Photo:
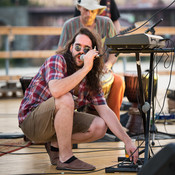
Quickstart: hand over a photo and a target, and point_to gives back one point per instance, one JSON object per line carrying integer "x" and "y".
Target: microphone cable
{"x": 149, "y": 19}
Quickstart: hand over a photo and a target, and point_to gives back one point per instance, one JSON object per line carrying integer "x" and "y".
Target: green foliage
{"x": 2, "y": 63}
{"x": 5, "y": 3}
{"x": 13, "y": 2}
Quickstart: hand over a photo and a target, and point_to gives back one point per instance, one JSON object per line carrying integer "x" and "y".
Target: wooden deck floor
{"x": 34, "y": 159}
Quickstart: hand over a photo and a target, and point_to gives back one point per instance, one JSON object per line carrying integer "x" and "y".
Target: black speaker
{"x": 25, "y": 81}
{"x": 162, "y": 163}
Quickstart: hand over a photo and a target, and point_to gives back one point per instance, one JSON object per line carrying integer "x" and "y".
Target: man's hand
{"x": 112, "y": 58}
{"x": 131, "y": 149}
{"x": 107, "y": 67}
{"x": 89, "y": 58}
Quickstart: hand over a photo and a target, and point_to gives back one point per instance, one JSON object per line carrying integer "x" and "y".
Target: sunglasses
{"x": 85, "y": 50}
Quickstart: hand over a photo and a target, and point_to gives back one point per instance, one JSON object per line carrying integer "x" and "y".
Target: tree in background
{"x": 13, "y": 2}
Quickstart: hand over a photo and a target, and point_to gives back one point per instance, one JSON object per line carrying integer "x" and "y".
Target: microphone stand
{"x": 151, "y": 29}
{"x": 151, "y": 87}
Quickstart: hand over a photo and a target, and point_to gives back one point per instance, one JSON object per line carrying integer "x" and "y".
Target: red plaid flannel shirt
{"x": 38, "y": 90}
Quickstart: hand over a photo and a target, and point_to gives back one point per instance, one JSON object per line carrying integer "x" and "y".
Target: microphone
{"x": 151, "y": 29}
{"x": 82, "y": 57}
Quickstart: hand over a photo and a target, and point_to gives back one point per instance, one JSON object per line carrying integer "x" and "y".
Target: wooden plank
{"x": 51, "y": 30}
{"x": 33, "y": 54}
{"x": 32, "y": 30}
{"x": 27, "y": 54}
{"x": 158, "y": 30}
{"x": 4, "y": 54}
{"x": 46, "y": 30}
{"x": 165, "y": 30}
{"x": 9, "y": 77}
{"x": 5, "y": 30}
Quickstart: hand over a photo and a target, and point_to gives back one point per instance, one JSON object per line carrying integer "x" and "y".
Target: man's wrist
{"x": 108, "y": 64}
{"x": 85, "y": 69}
{"x": 127, "y": 139}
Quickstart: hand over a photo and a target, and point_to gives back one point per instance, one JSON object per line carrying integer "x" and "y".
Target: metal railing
{"x": 11, "y": 31}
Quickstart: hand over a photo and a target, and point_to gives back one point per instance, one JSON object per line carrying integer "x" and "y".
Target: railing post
{"x": 7, "y": 49}
{"x": 8, "y": 40}
{"x": 124, "y": 59}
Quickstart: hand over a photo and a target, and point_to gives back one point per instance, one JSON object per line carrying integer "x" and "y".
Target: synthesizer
{"x": 135, "y": 41}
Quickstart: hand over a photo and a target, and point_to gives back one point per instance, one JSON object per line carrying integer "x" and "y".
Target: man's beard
{"x": 74, "y": 60}
{"x": 88, "y": 21}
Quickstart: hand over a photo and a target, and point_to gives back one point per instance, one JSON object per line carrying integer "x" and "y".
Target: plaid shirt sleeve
{"x": 98, "y": 99}
{"x": 37, "y": 92}
{"x": 54, "y": 68}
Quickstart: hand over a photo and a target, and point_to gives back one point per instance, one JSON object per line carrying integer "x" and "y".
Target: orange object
{"x": 115, "y": 97}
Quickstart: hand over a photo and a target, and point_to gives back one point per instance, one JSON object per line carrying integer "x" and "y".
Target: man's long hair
{"x": 93, "y": 77}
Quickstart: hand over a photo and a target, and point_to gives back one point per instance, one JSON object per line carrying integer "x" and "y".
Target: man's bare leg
{"x": 96, "y": 131}
{"x": 63, "y": 125}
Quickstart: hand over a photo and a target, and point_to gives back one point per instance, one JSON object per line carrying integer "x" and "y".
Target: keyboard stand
{"x": 146, "y": 116}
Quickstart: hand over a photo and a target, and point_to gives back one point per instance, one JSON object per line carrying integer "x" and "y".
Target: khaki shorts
{"x": 38, "y": 126}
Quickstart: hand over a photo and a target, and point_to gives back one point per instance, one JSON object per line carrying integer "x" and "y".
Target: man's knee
{"x": 65, "y": 101}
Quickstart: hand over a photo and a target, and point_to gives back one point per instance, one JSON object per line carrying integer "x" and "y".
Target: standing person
{"x": 110, "y": 11}
{"x": 47, "y": 111}
{"x": 89, "y": 10}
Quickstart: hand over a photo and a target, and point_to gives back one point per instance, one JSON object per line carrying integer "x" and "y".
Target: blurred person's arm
{"x": 115, "y": 15}
{"x": 112, "y": 59}
{"x": 117, "y": 26}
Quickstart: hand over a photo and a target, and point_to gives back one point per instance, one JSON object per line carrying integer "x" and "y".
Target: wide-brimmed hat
{"x": 90, "y": 5}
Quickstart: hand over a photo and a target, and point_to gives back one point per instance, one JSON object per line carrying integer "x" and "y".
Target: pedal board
{"x": 126, "y": 166}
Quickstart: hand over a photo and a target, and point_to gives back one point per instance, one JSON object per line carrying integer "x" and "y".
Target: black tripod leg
{"x": 147, "y": 136}
{"x": 153, "y": 128}
{"x": 142, "y": 102}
